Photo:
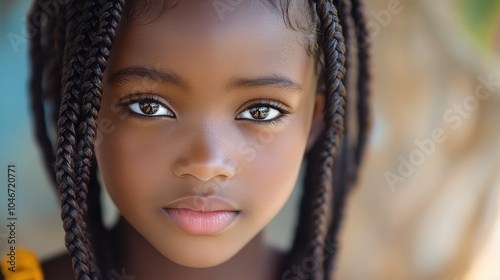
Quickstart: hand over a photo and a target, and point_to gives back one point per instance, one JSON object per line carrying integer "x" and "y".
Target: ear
{"x": 318, "y": 124}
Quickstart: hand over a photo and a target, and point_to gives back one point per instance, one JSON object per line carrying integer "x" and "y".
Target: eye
{"x": 264, "y": 111}
{"x": 261, "y": 113}
{"x": 149, "y": 108}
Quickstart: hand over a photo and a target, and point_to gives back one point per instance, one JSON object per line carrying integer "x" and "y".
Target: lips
{"x": 201, "y": 215}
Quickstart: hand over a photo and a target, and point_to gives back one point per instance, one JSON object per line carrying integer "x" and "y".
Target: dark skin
{"x": 59, "y": 268}
{"x": 236, "y": 106}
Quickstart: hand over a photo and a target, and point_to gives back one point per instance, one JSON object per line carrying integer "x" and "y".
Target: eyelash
{"x": 280, "y": 107}
{"x": 128, "y": 113}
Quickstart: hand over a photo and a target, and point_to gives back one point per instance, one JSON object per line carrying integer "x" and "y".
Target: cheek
{"x": 274, "y": 169}
{"x": 131, "y": 167}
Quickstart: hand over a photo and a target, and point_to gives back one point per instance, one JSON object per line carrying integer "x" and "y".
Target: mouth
{"x": 201, "y": 215}
{"x": 201, "y": 223}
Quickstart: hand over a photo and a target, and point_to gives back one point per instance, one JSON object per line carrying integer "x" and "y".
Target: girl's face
{"x": 205, "y": 118}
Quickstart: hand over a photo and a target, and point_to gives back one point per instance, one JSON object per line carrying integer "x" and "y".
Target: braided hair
{"x": 69, "y": 54}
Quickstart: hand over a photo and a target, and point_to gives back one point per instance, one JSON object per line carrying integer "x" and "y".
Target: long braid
{"x": 333, "y": 50}
{"x": 86, "y": 128}
{"x": 59, "y": 45}
{"x": 317, "y": 198}
{"x": 53, "y": 35}
{"x": 38, "y": 62}
{"x": 48, "y": 73}
{"x": 296, "y": 253}
{"x": 45, "y": 86}
{"x": 298, "y": 247}
{"x": 315, "y": 203}
{"x": 104, "y": 20}
{"x": 345, "y": 168}
{"x": 344, "y": 172}
{"x": 52, "y": 76}
{"x": 347, "y": 23}
{"x": 364, "y": 77}
{"x": 100, "y": 238}
{"x": 352, "y": 155}
{"x": 71, "y": 213}
{"x": 69, "y": 25}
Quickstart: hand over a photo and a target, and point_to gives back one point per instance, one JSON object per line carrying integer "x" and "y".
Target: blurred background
{"x": 427, "y": 205}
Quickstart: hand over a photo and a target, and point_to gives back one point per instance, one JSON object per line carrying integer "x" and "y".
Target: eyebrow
{"x": 132, "y": 73}
{"x": 276, "y": 81}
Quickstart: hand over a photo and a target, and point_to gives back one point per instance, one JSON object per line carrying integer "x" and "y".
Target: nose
{"x": 206, "y": 156}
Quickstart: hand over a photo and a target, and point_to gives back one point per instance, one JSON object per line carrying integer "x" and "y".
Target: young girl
{"x": 196, "y": 116}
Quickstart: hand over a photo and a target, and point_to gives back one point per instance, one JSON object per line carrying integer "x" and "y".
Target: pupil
{"x": 260, "y": 112}
{"x": 148, "y": 107}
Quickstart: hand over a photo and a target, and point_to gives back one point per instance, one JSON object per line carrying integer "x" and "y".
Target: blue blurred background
{"x": 37, "y": 211}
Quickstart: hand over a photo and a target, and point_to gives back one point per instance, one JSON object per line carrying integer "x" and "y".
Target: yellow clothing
{"x": 27, "y": 267}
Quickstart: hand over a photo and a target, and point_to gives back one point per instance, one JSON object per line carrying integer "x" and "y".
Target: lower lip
{"x": 201, "y": 223}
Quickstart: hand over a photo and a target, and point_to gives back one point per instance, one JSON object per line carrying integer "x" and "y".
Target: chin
{"x": 201, "y": 259}
{"x": 201, "y": 252}
{"x": 200, "y": 263}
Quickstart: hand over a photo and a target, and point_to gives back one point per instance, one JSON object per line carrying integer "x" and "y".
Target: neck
{"x": 142, "y": 260}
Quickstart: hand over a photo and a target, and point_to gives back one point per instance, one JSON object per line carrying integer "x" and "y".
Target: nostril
{"x": 204, "y": 171}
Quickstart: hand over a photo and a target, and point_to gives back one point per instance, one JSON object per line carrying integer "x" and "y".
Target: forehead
{"x": 297, "y": 14}
{"x": 191, "y": 18}
{"x": 209, "y": 23}
{"x": 200, "y": 34}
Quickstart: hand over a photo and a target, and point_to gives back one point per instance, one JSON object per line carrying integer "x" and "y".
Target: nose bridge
{"x": 209, "y": 141}
{"x": 207, "y": 152}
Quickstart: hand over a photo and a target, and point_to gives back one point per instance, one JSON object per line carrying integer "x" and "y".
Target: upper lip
{"x": 202, "y": 204}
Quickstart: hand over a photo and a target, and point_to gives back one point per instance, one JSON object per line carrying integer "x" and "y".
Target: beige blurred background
{"x": 437, "y": 216}
{"x": 427, "y": 203}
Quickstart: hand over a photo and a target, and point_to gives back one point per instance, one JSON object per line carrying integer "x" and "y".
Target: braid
{"x": 87, "y": 123}
{"x": 333, "y": 50}
{"x": 99, "y": 239}
{"x": 72, "y": 214}
{"x": 347, "y": 23}
{"x": 364, "y": 76}
{"x": 313, "y": 220}
{"x": 38, "y": 62}
{"x": 344, "y": 167}
{"x": 105, "y": 20}
{"x": 296, "y": 254}
{"x": 315, "y": 202}
{"x": 59, "y": 45}
{"x": 49, "y": 43}
{"x": 86, "y": 53}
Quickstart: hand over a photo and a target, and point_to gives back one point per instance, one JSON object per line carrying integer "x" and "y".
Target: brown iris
{"x": 259, "y": 112}
{"x": 149, "y": 107}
